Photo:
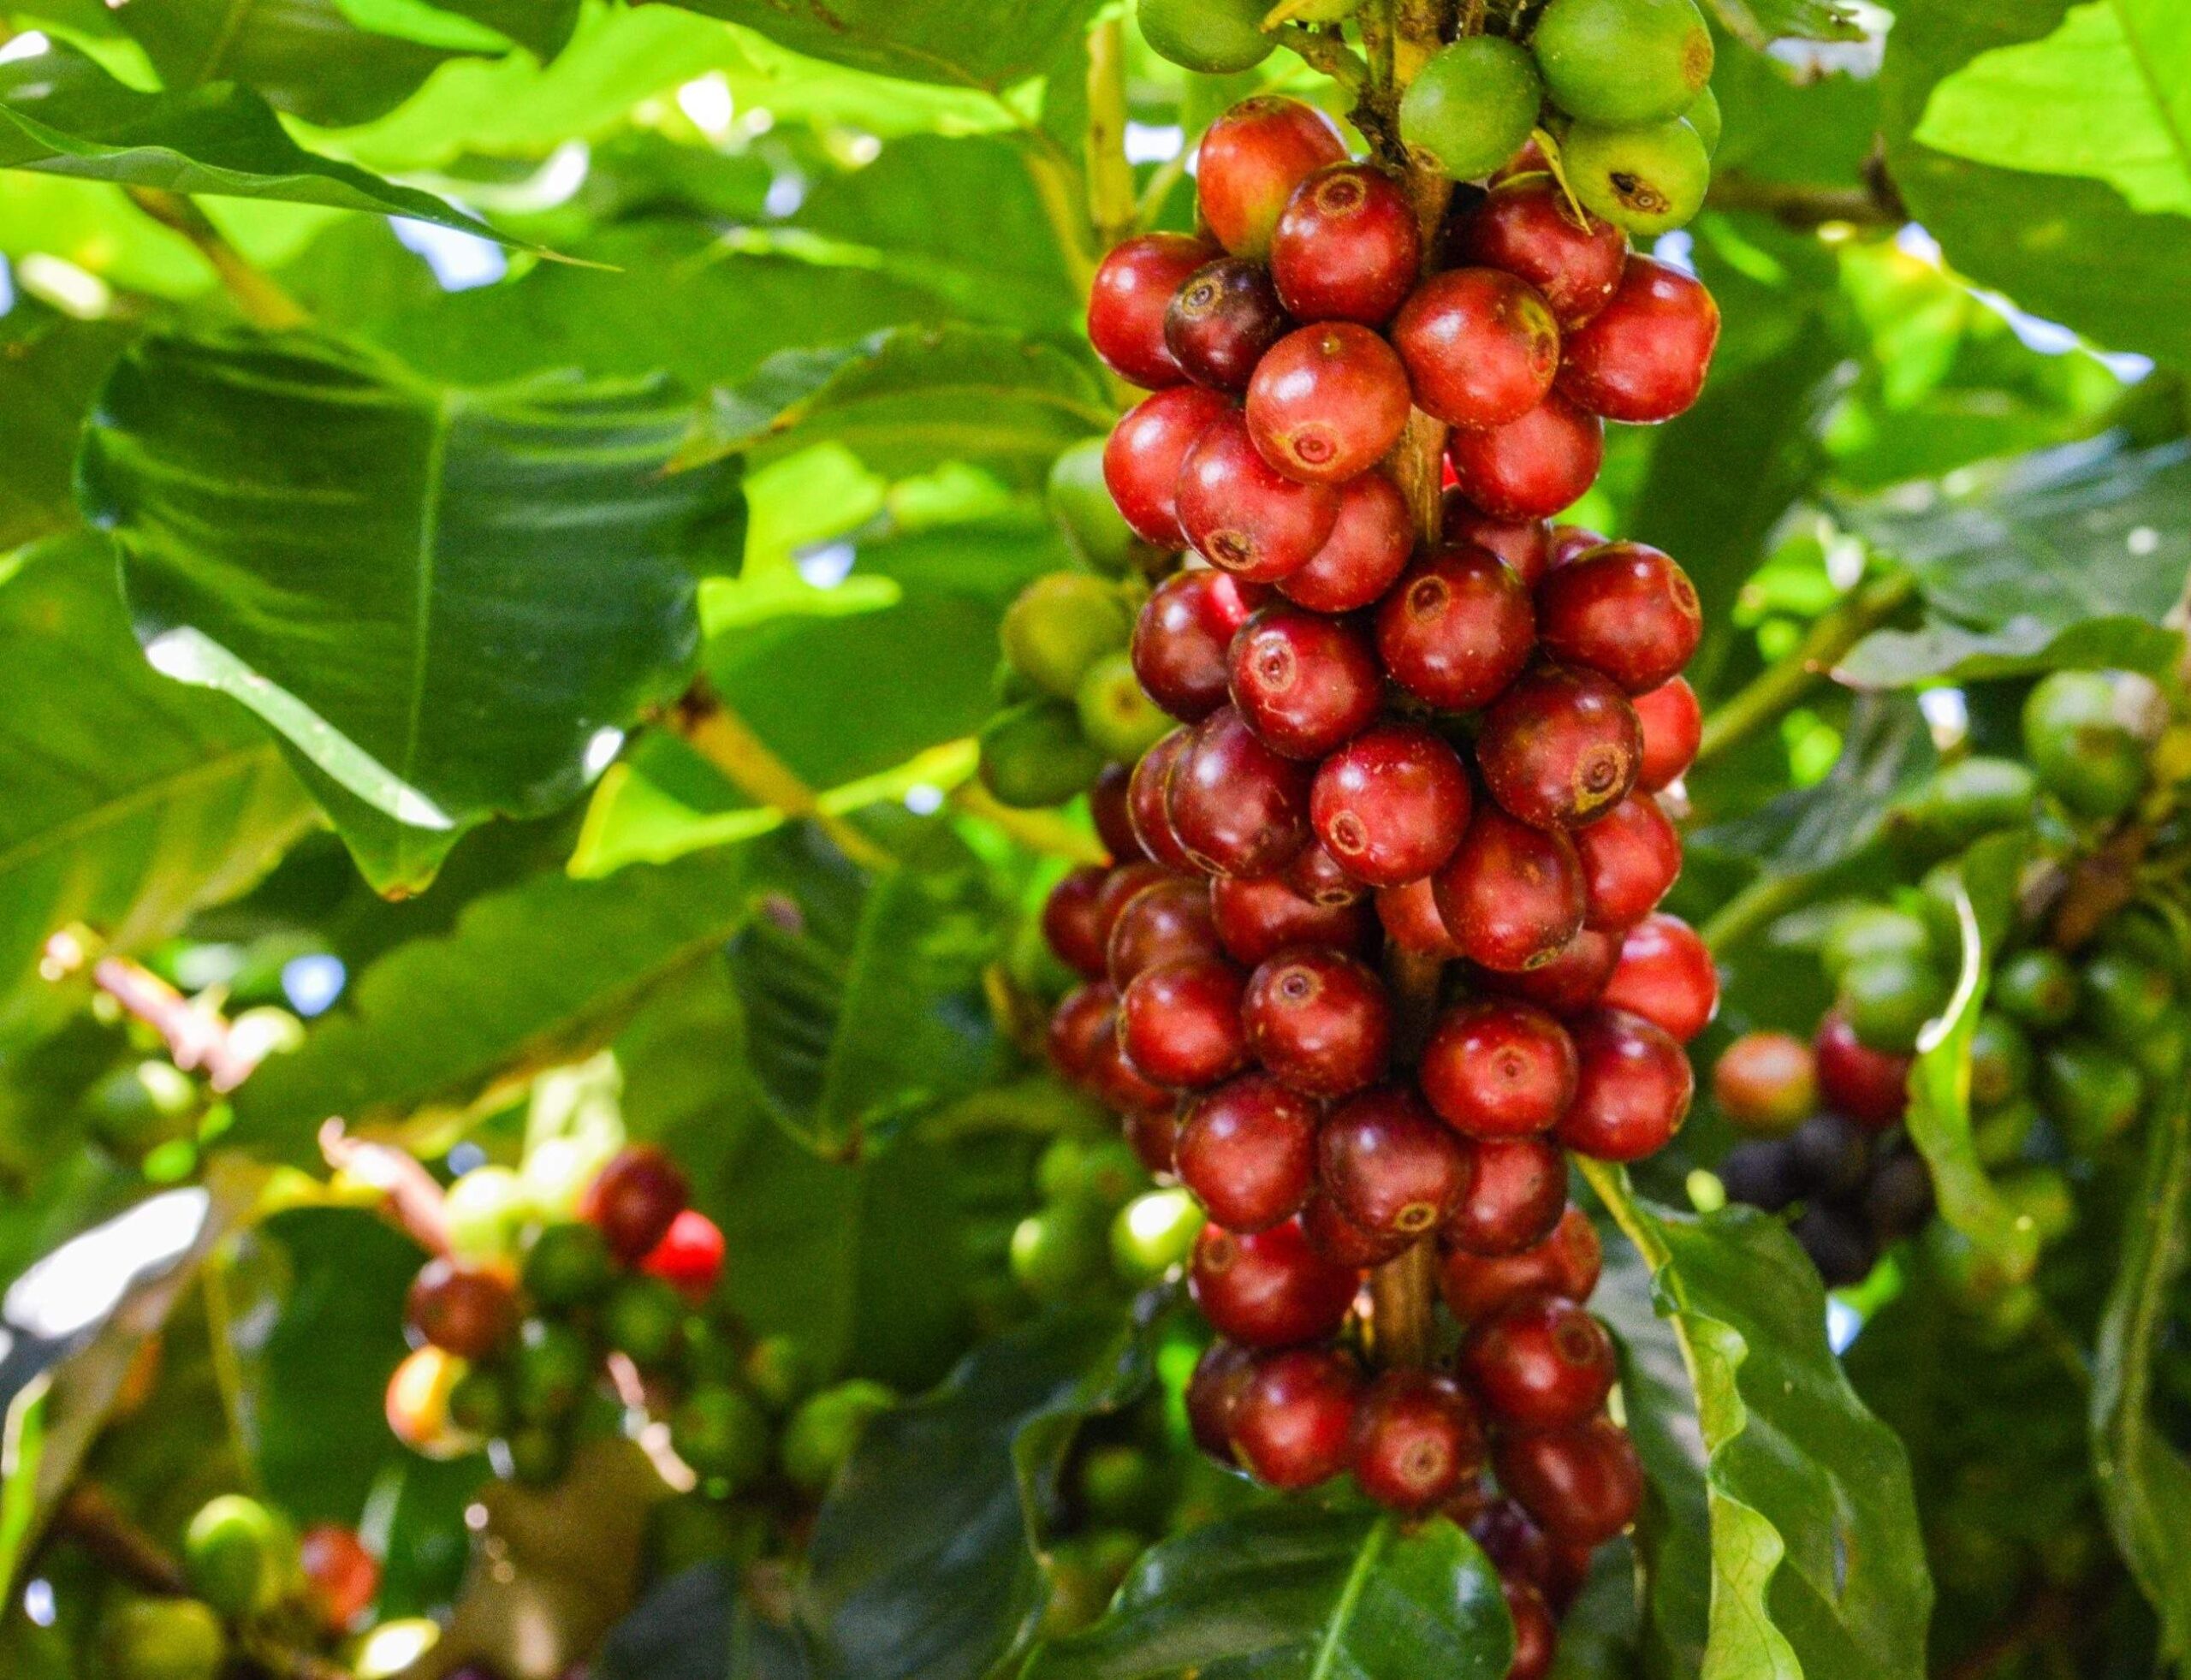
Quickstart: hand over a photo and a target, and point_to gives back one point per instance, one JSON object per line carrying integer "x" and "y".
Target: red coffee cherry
{"x": 1222, "y": 320}
{"x": 1390, "y": 804}
{"x": 1251, "y": 160}
{"x": 467, "y": 1310}
{"x": 1565, "y": 1264}
{"x": 1319, "y": 1021}
{"x": 1560, "y": 748}
{"x": 1108, "y": 804}
{"x": 1237, "y": 807}
{"x": 1633, "y": 1088}
{"x": 1120, "y": 888}
{"x": 1497, "y": 1067}
{"x": 1142, "y": 461}
{"x": 1342, "y": 1242}
{"x": 1212, "y": 1390}
{"x": 343, "y": 1576}
{"x": 1083, "y": 1021}
{"x": 1268, "y": 1289}
{"x": 1643, "y": 357}
{"x": 1153, "y": 1135}
{"x": 1526, "y": 227}
{"x": 1766, "y": 1081}
{"x": 1582, "y": 1486}
{"x": 1570, "y": 982}
{"x": 1567, "y": 543}
{"x": 1532, "y": 467}
{"x": 1122, "y": 1087}
{"x": 1168, "y": 921}
{"x": 1326, "y": 402}
{"x": 1367, "y": 548}
{"x": 1307, "y": 683}
{"x": 1411, "y": 920}
{"x": 1510, "y": 895}
{"x": 1517, "y": 1191}
{"x": 634, "y": 1199}
{"x": 690, "y": 1257}
{"x": 1537, "y": 1634}
{"x": 1134, "y": 286}
{"x": 1315, "y": 874}
{"x": 1388, "y": 1165}
{"x": 1181, "y": 637}
{"x": 1069, "y": 920}
{"x": 1247, "y": 1151}
{"x": 1457, "y": 629}
{"x": 1179, "y": 1023}
{"x": 1540, "y": 1364}
{"x": 1258, "y": 919}
{"x": 1242, "y": 516}
{"x": 1630, "y": 857}
{"x": 1624, "y": 611}
{"x": 1293, "y": 1423}
{"x": 1481, "y": 346}
{"x": 1667, "y": 976}
{"x": 1149, "y": 802}
{"x": 1526, "y": 1556}
{"x": 1869, "y": 1086}
{"x": 1347, "y": 247}
{"x": 1416, "y": 1440}
{"x": 1524, "y": 544}
{"x": 1673, "y": 725}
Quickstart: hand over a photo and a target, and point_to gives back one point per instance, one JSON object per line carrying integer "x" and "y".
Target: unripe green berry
{"x": 1115, "y": 715}
{"x": 1869, "y": 931}
{"x": 568, "y": 1266}
{"x": 1035, "y": 754}
{"x": 1471, "y": 108}
{"x": 487, "y": 1209}
{"x": 538, "y": 1453}
{"x": 2000, "y": 1061}
{"x": 479, "y": 1403}
{"x": 2121, "y": 1000}
{"x": 162, "y": 1639}
{"x": 1082, "y": 505}
{"x": 2088, "y": 733}
{"x": 1888, "y": 999}
{"x": 645, "y": 1321}
{"x": 1061, "y": 624}
{"x": 1216, "y": 37}
{"x": 2039, "y": 989}
{"x": 1056, "y": 1250}
{"x": 240, "y": 1557}
{"x": 683, "y": 1532}
{"x": 1958, "y": 802}
{"x": 2091, "y": 1092}
{"x": 780, "y": 1369}
{"x": 134, "y": 1110}
{"x": 823, "y": 1432}
{"x": 550, "y": 1371}
{"x": 1152, "y": 1233}
{"x": 1649, "y": 180}
{"x": 1704, "y": 118}
{"x": 1622, "y": 62}
{"x": 722, "y": 1433}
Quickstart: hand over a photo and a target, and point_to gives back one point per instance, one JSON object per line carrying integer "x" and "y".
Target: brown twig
{"x": 413, "y": 1197}
{"x": 198, "y": 1036}
{"x": 88, "y": 1515}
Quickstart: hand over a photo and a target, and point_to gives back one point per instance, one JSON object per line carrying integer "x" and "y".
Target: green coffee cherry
{"x": 568, "y": 1266}
{"x": 2000, "y": 1061}
{"x": 1152, "y": 1233}
{"x": 823, "y": 1432}
{"x": 1958, "y": 802}
{"x": 2164, "y": 1054}
{"x": 1082, "y": 505}
{"x": 1471, "y": 107}
{"x": 2087, "y": 733}
{"x": 550, "y": 1371}
{"x": 1056, "y": 1250}
{"x": 1060, "y": 1171}
{"x": 1999, "y": 1137}
{"x": 479, "y": 1403}
{"x": 1704, "y": 118}
{"x": 135, "y": 1110}
{"x": 1649, "y": 180}
{"x": 558, "y": 1171}
{"x": 1888, "y": 999}
{"x": 1217, "y": 37}
{"x": 162, "y": 1639}
{"x": 1121, "y": 1484}
{"x": 1622, "y": 62}
{"x": 538, "y": 1453}
{"x": 2041, "y": 1195}
{"x": 2144, "y": 932}
{"x": 645, "y": 1321}
{"x": 1873, "y": 930}
{"x": 1034, "y": 754}
{"x": 722, "y": 1434}
{"x": 685, "y": 1531}
{"x": 1061, "y": 624}
{"x": 2091, "y": 1092}
{"x": 2039, "y": 989}
{"x": 1115, "y": 715}
{"x": 240, "y": 1557}
{"x": 780, "y": 1369}
{"x": 487, "y": 1209}
{"x": 1110, "y": 1174}
{"x": 2121, "y": 1000}
{"x": 1085, "y": 1571}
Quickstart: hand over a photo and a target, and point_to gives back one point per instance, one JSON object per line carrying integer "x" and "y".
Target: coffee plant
{"x": 1089, "y": 840}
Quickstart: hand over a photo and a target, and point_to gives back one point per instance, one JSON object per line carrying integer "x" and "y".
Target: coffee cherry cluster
{"x": 1410, "y": 777}
{"x": 1101, "y": 1223}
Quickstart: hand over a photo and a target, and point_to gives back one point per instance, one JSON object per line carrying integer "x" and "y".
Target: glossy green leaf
{"x": 983, "y": 44}
{"x": 512, "y": 575}
{"x": 541, "y": 27}
{"x": 698, "y": 1626}
{"x": 22, "y": 1450}
{"x": 2023, "y": 647}
{"x": 1293, "y": 1592}
{"x": 51, "y": 367}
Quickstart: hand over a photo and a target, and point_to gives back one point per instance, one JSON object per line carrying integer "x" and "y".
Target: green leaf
{"x": 1293, "y": 1592}
{"x": 513, "y": 576}
{"x": 61, "y": 114}
{"x": 698, "y": 1626}
{"x": 922, "y": 1565}
{"x": 131, "y": 801}
{"x": 541, "y": 27}
{"x": 1758, "y": 23}
{"x": 2115, "y": 83}
{"x": 984, "y": 44}
{"x": 1817, "y": 1565}
{"x": 22, "y": 1451}
{"x": 2022, "y": 647}
{"x": 51, "y": 367}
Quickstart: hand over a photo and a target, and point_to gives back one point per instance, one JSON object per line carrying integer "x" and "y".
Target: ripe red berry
{"x": 1526, "y": 227}
{"x": 1179, "y": 1023}
{"x": 1570, "y": 982}
{"x": 1567, "y": 543}
{"x": 1180, "y": 639}
{"x": 1532, "y": 467}
{"x": 1348, "y": 247}
{"x": 1560, "y": 748}
{"x": 1583, "y": 1485}
{"x": 1222, "y": 320}
{"x": 1319, "y": 1021}
{"x": 1122, "y": 1087}
{"x": 1517, "y": 1191}
{"x": 1269, "y": 1288}
{"x": 1673, "y": 725}
{"x": 1497, "y": 1067}
{"x": 1540, "y": 1365}
{"x": 689, "y": 1257}
{"x": 1236, "y": 807}
{"x": 1537, "y": 1634}
{"x": 1257, "y": 919}
{"x": 1411, "y": 920}
{"x": 344, "y": 1577}
{"x": 1369, "y": 547}
{"x": 1871, "y": 1087}
{"x": 1565, "y": 1264}
{"x": 1307, "y": 683}
{"x": 1326, "y": 402}
{"x": 1524, "y": 544}
{"x": 1083, "y": 1021}
{"x": 1457, "y": 628}
{"x": 1168, "y": 921}
{"x": 1153, "y": 1135}
{"x": 1294, "y": 1420}
{"x": 1212, "y": 1390}
{"x": 1244, "y": 516}
{"x": 1624, "y": 611}
{"x": 467, "y": 1310}
{"x": 633, "y": 1199}
{"x": 1108, "y": 804}
{"x": 1247, "y": 1151}
{"x": 1526, "y": 1556}
{"x": 1149, "y": 802}
{"x": 1342, "y": 1242}
{"x": 1667, "y": 976}
{"x": 1388, "y": 1165}
{"x": 1390, "y": 805}
{"x": 1630, "y": 857}
{"x": 1481, "y": 346}
{"x": 1069, "y": 920}
{"x": 1633, "y": 1090}
{"x": 1134, "y": 285}
{"x": 1315, "y": 874}
{"x": 1643, "y": 357}
{"x": 1510, "y": 895}
{"x": 1251, "y": 160}
{"x": 1142, "y": 461}
{"x": 1416, "y": 1440}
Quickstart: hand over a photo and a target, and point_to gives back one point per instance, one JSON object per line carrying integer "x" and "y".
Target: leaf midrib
{"x": 443, "y": 417}
{"x": 1349, "y": 1594}
{"x": 112, "y": 812}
